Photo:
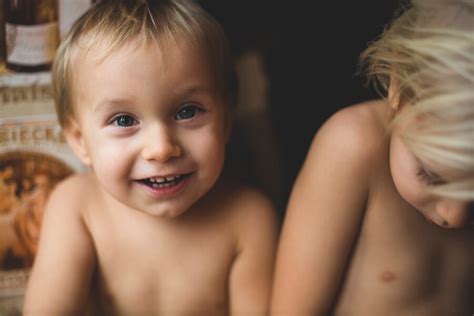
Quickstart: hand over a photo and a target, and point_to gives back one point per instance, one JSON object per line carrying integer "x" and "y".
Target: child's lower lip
{"x": 167, "y": 191}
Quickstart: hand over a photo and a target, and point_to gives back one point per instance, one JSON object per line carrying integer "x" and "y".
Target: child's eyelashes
{"x": 124, "y": 120}
{"x": 187, "y": 112}
{"x": 184, "y": 113}
{"x": 428, "y": 177}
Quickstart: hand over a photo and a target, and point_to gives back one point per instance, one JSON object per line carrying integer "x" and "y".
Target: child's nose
{"x": 159, "y": 145}
{"x": 455, "y": 213}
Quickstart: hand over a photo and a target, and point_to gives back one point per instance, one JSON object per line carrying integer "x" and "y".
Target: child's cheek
{"x": 111, "y": 158}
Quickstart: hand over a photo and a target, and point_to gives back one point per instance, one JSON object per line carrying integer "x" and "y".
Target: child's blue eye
{"x": 124, "y": 120}
{"x": 186, "y": 112}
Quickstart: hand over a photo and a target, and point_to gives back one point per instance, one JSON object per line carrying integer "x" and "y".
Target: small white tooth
{"x": 152, "y": 180}
{"x": 170, "y": 178}
{"x": 159, "y": 179}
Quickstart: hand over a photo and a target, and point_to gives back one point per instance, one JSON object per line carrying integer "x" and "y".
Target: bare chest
{"x": 153, "y": 273}
{"x": 402, "y": 265}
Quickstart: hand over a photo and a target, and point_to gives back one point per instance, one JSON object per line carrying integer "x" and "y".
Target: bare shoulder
{"x": 245, "y": 211}
{"x": 72, "y": 194}
{"x": 249, "y": 205}
{"x": 360, "y": 123}
{"x": 76, "y": 184}
{"x": 357, "y": 132}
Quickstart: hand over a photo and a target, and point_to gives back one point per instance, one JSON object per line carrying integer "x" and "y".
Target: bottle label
{"x": 31, "y": 45}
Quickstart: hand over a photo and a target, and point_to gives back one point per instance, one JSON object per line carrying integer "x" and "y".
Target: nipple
{"x": 387, "y": 276}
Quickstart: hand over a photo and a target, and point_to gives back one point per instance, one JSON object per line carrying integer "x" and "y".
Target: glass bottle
{"x": 2, "y": 34}
{"x": 31, "y": 34}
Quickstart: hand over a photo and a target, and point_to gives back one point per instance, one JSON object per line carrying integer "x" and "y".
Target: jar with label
{"x": 31, "y": 34}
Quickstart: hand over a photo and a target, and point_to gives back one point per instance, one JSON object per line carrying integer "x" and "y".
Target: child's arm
{"x": 323, "y": 218}
{"x": 61, "y": 274}
{"x": 251, "y": 273}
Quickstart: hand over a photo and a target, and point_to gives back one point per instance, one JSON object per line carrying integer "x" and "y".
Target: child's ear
{"x": 75, "y": 140}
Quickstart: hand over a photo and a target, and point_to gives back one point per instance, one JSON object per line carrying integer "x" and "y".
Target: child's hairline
{"x": 76, "y": 50}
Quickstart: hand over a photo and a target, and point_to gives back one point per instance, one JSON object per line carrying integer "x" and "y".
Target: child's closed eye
{"x": 428, "y": 177}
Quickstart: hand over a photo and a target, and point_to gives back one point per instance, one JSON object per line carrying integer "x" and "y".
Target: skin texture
{"x": 201, "y": 247}
{"x": 351, "y": 244}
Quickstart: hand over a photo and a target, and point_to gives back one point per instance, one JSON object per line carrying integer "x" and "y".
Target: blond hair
{"x": 116, "y": 23}
{"x": 427, "y": 52}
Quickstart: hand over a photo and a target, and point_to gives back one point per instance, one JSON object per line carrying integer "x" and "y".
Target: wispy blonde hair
{"x": 115, "y": 23}
{"x": 427, "y": 52}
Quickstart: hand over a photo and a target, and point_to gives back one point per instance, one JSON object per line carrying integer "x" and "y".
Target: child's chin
{"x": 165, "y": 213}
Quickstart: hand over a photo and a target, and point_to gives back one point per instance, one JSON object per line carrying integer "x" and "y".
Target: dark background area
{"x": 311, "y": 51}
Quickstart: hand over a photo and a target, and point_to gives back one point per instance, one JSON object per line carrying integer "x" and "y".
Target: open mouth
{"x": 164, "y": 182}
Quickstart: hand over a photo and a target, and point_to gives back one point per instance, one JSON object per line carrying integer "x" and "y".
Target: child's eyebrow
{"x": 194, "y": 90}
{"x": 186, "y": 92}
{"x": 107, "y": 103}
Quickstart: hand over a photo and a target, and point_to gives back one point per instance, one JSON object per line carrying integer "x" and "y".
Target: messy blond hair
{"x": 427, "y": 52}
{"x": 116, "y": 23}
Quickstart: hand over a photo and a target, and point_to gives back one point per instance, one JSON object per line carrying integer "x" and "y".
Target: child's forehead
{"x": 176, "y": 63}
{"x": 98, "y": 51}
{"x": 164, "y": 55}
